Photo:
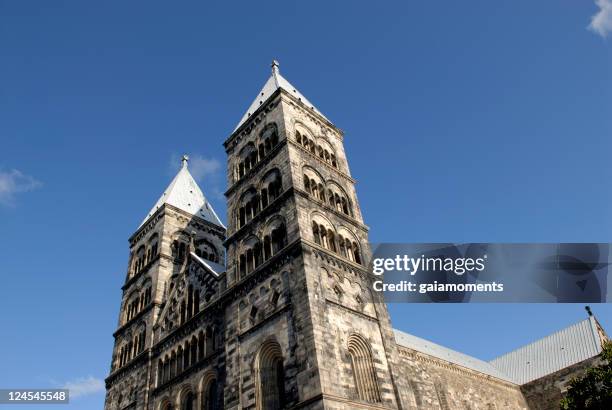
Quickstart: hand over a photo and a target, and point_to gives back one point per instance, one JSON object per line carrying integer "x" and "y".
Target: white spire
{"x": 275, "y": 82}
{"x": 185, "y": 194}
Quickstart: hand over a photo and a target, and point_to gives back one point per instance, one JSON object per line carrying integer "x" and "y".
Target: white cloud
{"x": 199, "y": 166}
{"x": 84, "y": 386}
{"x": 601, "y": 22}
{"x": 13, "y": 182}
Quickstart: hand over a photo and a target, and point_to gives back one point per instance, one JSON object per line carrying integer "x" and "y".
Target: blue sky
{"x": 464, "y": 121}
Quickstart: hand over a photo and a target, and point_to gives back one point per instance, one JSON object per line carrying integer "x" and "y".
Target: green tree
{"x": 594, "y": 389}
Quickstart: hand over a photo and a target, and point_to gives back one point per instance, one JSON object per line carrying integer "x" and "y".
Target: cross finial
{"x": 275, "y": 66}
{"x": 588, "y": 309}
{"x": 184, "y": 161}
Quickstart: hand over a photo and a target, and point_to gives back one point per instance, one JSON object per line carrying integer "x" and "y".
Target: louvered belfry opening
{"x": 363, "y": 369}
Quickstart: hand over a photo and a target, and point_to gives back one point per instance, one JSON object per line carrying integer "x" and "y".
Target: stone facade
{"x": 438, "y": 384}
{"x": 290, "y": 321}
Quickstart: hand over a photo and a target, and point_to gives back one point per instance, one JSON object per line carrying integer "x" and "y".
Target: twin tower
{"x": 273, "y": 311}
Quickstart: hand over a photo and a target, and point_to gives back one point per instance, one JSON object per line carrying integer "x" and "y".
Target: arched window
{"x": 248, "y": 159}
{"x": 188, "y": 402}
{"x": 331, "y": 238}
{"x": 173, "y": 371}
{"x": 264, "y": 197}
{"x": 166, "y": 370}
{"x": 251, "y": 256}
{"x": 153, "y": 245}
{"x": 320, "y": 192}
{"x": 279, "y": 238}
{"x": 141, "y": 339}
{"x": 273, "y": 183}
{"x": 196, "y": 302}
{"x": 267, "y": 247}
{"x": 194, "y": 350}
{"x": 186, "y": 354}
{"x": 140, "y": 259}
{"x": 209, "y": 341}
{"x": 242, "y": 265}
{"x": 356, "y": 253}
{"x": 189, "y": 301}
{"x": 182, "y": 312}
{"x": 210, "y": 396}
{"x": 270, "y": 137}
{"x": 307, "y": 183}
{"x": 363, "y": 369}
{"x": 180, "y": 360}
{"x": 160, "y": 372}
{"x": 201, "y": 345}
{"x": 270, "y": 377}
{"x": 315, "y": 233}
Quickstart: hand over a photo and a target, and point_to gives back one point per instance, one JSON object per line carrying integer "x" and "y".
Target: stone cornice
{"x": 327, "y": 208}
{"x": 356, "y": 312}
{"x": 277, "y": 313}
{"x": 137, "y": 361}
{"x": 425, "y": 358}
{"x": 153, "y": 219}
{"x": 325, "y": 164}
{"x": 347, "y": 264}
{"x": 272, "y": 206}
{"x": 312, "y": 114}
{"x": 353, "y": 403}
{"x": 133, "y": 320}
{"x": 142, "y": 272}
{"x": 199, "y": 365}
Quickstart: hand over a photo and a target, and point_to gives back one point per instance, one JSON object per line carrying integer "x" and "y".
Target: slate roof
{"x": 275, "y": 82}
{"x": 448, "y": 355}
{"x": 568, "y": 346}
{"x": 185, "y": 194}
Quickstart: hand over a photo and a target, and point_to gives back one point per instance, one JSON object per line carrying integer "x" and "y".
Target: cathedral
{"x": 275, "y": 310}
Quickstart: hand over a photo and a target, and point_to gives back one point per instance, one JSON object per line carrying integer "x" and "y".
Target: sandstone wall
{"x": 439, "y": 385}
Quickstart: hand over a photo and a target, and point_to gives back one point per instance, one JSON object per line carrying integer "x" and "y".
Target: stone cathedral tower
{"x": 181, "y": 233}
{"x": 296, "y": 260}
{"x": 277, "y": 312}
{"x": 288, "y": 321}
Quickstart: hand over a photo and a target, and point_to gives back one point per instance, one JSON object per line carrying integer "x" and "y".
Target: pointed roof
{"x": 185, "y": 194}
{"x": 275, "y": 82}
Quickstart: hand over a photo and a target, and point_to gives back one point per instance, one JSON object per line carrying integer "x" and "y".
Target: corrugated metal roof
{"x": 275, "y": 82}
{"x": 564, "y": 348}
{"x": 446, "y": 354}
{"x": 185, "y": 194}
